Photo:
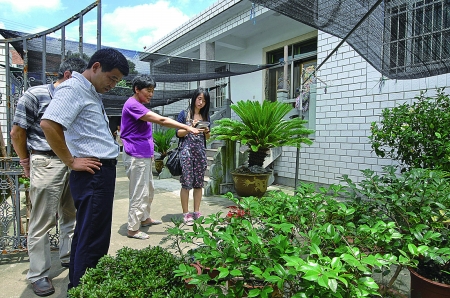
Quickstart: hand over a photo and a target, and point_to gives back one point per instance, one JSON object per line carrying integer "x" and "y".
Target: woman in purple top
{"x": 136, "y": 133}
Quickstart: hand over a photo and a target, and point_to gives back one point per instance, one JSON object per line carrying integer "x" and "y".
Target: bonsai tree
{"x": 262, "y": 126}
{"x": 416, "y": 135}
{"x": 162, "y": 140}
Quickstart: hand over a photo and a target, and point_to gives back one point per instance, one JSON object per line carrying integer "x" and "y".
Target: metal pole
{"x": 25, "y": 65}
{"x": 80, "y": 41}
{"x": 285, "y": 68}
{"x": 63, "y": 43}
{"x": 44, "y": 58}
{"x": 8, "y": 100}
{"x": 99, "y": 24}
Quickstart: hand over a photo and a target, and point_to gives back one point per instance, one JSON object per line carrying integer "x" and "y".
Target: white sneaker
{"x": 188, "y": 219}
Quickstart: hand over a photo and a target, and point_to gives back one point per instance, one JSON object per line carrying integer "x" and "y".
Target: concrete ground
{"x": 166, "y": 205}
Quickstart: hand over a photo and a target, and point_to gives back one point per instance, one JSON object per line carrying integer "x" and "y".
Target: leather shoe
{"x": 43, "y": 287}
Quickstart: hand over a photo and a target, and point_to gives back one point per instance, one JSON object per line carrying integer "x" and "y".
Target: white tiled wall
{"x": 355, "y": 98}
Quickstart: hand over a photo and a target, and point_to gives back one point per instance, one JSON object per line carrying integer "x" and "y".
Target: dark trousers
{"x": 93, "y": 196}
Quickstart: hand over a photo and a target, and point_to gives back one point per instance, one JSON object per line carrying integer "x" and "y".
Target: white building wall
{"x": 355, "y": 97}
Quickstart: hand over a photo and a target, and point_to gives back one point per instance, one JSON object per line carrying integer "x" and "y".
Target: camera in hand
{"x": 202, "y": 124}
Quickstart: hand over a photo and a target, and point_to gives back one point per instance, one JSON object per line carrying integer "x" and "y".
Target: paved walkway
{"x": 166, "y": 205}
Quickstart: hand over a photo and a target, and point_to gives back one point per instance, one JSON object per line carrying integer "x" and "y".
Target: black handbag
{"x": 173, "y": 162}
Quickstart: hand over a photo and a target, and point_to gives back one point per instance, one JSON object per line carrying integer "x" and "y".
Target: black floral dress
{"x": 193, "y": 158}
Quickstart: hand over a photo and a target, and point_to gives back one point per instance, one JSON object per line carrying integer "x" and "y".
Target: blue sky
{"x": 131, "y": 24}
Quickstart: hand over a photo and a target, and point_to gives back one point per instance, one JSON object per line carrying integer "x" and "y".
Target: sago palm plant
{"x": 162, "y": 140}
{"x": 262, "y": 127}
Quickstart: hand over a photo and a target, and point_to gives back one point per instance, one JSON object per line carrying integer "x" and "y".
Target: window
{"x": 416, "y": 32}
{"x": 220, "y": 93}
{"x": 301, "y": 80}
{"x": 303, "y": 51}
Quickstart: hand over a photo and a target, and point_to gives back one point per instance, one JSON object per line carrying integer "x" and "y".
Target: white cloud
{"x": 27, "y": 5}
{"x": 132, "y": 27}
{"x": 2, "y": 25}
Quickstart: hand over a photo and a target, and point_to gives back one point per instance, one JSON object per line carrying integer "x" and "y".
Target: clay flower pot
{"x": 422, "y": 287}
{"x": 199, "y": 271}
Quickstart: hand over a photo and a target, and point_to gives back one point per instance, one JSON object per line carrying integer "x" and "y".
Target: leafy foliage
{"x": 417, "y": 135}
{"x": 162, "y": 140}
{"x": 262, "y": 126}
{"x": 134, "y": 273}
{"x": 308, "y": 245}
{"x": 417, "y": 201}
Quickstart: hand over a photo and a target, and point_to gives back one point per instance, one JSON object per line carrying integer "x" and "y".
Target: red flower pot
{"x": 422, "y": 287}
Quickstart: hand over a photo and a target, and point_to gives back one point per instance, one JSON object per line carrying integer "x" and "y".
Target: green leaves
{"x": 417, "y": 134}
{"x": 148, "y": 272}
{"x": 162, "y": 140}
{"x": 262, "y": 126}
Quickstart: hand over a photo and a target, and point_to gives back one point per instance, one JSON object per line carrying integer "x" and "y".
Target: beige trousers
{"x": 141, "y": 189}
{"x": 50, "y": 199}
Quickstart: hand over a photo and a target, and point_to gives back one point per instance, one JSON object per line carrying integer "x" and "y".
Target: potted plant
{"x": 163, "y": 141}
{"x": 418, "y": 202}
{"x": 261, "y": 126}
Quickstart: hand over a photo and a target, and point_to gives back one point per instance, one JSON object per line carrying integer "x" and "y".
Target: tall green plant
{"x": 262, "y": 127}
{"x": 417, "y": 135}
{"x": 162, "y": 140}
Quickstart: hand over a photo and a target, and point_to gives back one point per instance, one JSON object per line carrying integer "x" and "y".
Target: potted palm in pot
{"x": 261, "y": 126}
{"x": 163, "y": 141}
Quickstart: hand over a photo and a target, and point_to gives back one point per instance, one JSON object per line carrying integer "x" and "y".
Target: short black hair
{"x": 109, "y": 59}
{"x": 144, "y": 81}
{"x": 71, "y": 64}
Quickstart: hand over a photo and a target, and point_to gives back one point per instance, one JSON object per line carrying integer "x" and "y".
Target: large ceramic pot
{"x": 247, "y": 185}
{"x": 159, "y": 165}
{"x": 422, "y": 287}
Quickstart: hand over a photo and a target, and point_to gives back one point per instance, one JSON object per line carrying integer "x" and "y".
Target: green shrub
{"x": 417, "y": 135}
{"x": 134, "y": 273}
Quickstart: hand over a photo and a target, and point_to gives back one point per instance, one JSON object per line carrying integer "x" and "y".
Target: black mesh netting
{"x": 402, "y": 39}
{"x": 175, "y": 71}
{"x": 116, "y": 97}
{"x": 167, "y": 68}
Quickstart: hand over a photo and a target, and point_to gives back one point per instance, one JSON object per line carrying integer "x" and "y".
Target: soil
{"x": 251, "y": 170}
{"x": 434, "y": 271}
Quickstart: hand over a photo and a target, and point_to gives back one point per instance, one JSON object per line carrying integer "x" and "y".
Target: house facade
{"x": 347, "y": 96}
